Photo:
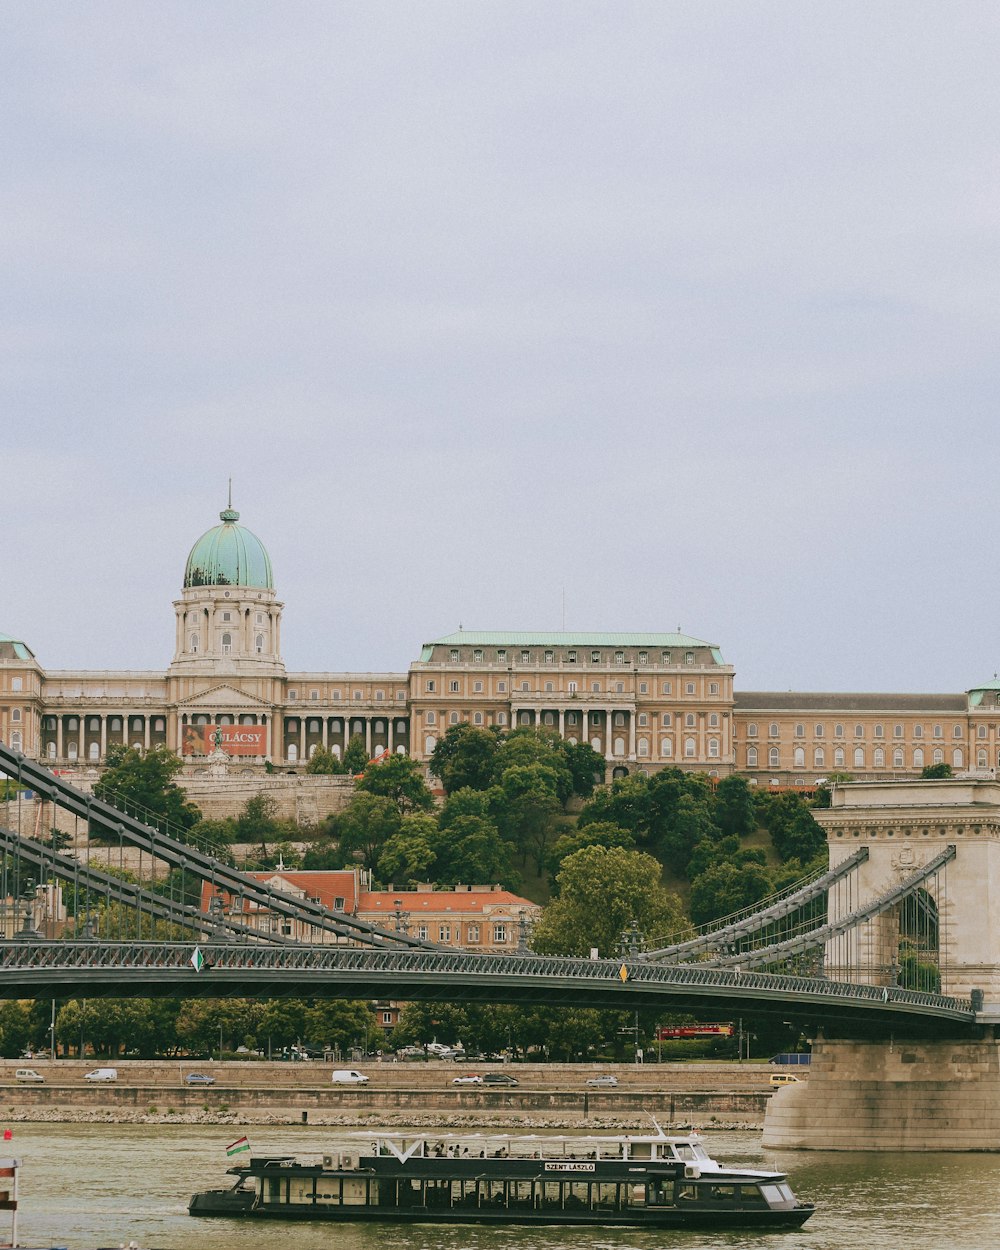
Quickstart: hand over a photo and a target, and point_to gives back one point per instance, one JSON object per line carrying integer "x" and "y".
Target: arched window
{"x": 751, "y": 757}
{"x": 859, "y": 757}
{"x": 819, "y": 758}
{"x": 430, "y": 742}
{"x": 477, "y": 718}
{"x": 258, "y": 643}
{"x": 642, "y": 746}
{"x": 227, "y": 644}
{"x": 293, "y": 753}
{"x": 666, "y": 719}
{"x": 525, "y": 718}
{"x": 689, "y": 720}
{"x": 751, "y": 730}
{"x": 619, "y": 746}
{"x": 713, "y": 748}
{"x": 838, "y": 757}
{"x": 453, "y": 718}
{"x": 773, "y": 757}
{"x": 982, "y": 760}
{"x": 957, "y": 758}
{"x": 193, "y": 643}
{"x": 596, "y": 744}
{"x": 93, "y": 751}
{"x": 772, "y": 729}
{"x": 938, "y": 755}
{"x": 16, "y": 740}
{"x": 619, "y": 718}
{"x": 879, "y": 758}
{"x": 897, "y": 758}
{"x": 689, "y": 748}
{"x": 918, "y": 757}
{"x": 548, "y": 719}
{"x": 799, "y": 757}
{"x": 570, "y": 718}
{"x": 713, "y": 720}
{"x": 50, "y": 750}
{"x": 666, "y": 748}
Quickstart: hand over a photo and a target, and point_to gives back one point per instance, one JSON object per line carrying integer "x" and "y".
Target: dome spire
{"x": 227, "y": 514}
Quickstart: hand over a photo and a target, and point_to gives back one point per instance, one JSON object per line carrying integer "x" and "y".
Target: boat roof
{"x": 691, "y": 1138}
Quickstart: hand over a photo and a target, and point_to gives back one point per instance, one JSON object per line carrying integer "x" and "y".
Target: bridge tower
{"x": 905, "y": 1092}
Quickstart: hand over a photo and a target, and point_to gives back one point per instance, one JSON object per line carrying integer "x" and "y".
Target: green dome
{"x": 229, "y": 555}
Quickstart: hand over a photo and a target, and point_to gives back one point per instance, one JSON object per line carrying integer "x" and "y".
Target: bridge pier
{"x": 891, "y": 1095}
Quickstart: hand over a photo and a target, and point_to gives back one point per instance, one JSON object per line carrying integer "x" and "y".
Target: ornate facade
{"x": 643, "y": 701}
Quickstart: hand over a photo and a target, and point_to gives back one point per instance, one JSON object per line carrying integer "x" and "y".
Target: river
{"x": 87, "y": 1185}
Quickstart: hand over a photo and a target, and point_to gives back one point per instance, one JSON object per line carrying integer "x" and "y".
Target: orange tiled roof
{"x": 326, "y": 886}
{"x": 467, "y": 901}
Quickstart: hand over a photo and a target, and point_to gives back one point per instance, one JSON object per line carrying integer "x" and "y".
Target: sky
{"x": 618, "y": 316}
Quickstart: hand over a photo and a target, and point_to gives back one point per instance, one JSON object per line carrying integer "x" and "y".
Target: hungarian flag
{"x": 237, "y": 1147}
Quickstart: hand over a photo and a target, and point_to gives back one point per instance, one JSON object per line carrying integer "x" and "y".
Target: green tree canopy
{"x": 529, "y": 805}
{"x": 726, "y": 888}
{"x": 399, "y": 778}
{"x": 935, "y": 772}
{"x": 464, "y": 757}
{"x": 735, "y": 813}
{"x": 366, "y": 825}
{"x": 598, "y": 833}
{"x": 355, "y": 755}
{"x": 601, "y": 891}
{"x": 324, "y": 762}
{"x": 143, "y": 783}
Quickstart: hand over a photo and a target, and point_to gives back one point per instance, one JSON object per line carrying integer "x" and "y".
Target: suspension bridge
{"x": 861, "y": 951}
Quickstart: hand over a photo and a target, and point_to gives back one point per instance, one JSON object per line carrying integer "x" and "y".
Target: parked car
{"x": 783, "y": 1078}
{"x": 199, "y": 1078}
{"x": 102, "y": 1074}
{"x": 348, "y": 1076}
{"x": 499, "y": 1078}
{"x": 469, "y": 1078}
{"x": 28, "y": 1074}
{"x": 605, "y": 1080}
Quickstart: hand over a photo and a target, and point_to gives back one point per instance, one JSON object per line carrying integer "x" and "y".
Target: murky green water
{"x": 98, "y": 1185}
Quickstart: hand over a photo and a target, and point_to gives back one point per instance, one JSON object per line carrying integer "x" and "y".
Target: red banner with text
{"x": 233, "y": 739}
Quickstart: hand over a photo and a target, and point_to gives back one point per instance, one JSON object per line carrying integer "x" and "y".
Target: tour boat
{"x": 654, "y": 1181}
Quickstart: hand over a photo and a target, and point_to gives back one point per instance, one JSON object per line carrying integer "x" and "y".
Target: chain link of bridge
{"x": 862, "y": 951}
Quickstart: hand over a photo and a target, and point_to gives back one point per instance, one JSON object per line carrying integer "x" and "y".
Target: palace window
{"x": 227, "y": 616}
{"x": 379, "y": 696}
{"x": 643, "y": 657}
{"x": 980, "y": 731}
{"x": 16, "y": 683}
{"x": 689, "y": 688}
{"x": 431, "y": 718}
{"x": 667, "y": 687}
{"x": 642, "y": 746}
{"x": 982, "y": 759}
{"x": 619, "y": 687}
{"x": 453, "y": 687}
{"x": 548, "y": 718}
{"x": 571, "y": 657}
{"x": 838, "y": 731}
{"x": 713, "y": 687}
{"x": 619, "y": 718}
{"x": 752, "y": 730}
{"x": 453, "y": 656}
{"x": 664, "y": 657}
{"x": 859, "y": 757}
{"x": 548, "y": 687}
{"x": 499, "y": 933}
{"x": 689, "y": 720}
{"x": 918, "y": 731}
{"x": 918, "y": 757}
{"x": 314, "y": 695}
{"x": 524, "y": 687}
{"x": 549, "y": 657}
{"x": 751, "y": 757}
{"x": 502, "y": 655}
{"x": 938, "y": 733}
{"x": 859, "y": 731}
{"x": 688, "y": 657}
{"x": 619, "y": 657}
{"x": 258, "y": 644}
{"x": 477, "y": 687}
{"x": 643, "y": 718}
{"x": 193, "y": 643}
{"x": 570, "y": 718}
{"x": 336, "y": 696}
{"x": 571, "y": 687}
{"x": 897, "y": 731}
{"x": 472, "y": 933}
{"x": 689, "y": 748}
{"x": 595, "y": 657}
{"x": 819, "y": 758}
{"x": 525, "y": 657}
{"x": 713, "y": 748}
{"x": 957, "y": 758}
{"x": 838, "y": 757}
{"x": 666, "y": 719}
{"x": 713, "y": 720}
{"x": 422, "y": 932}
{"x": 818, "y": 731}
{"x": 501, "y": 687}
{"x": 501, "y": 718}
{"x": 897, "y": 758}
{"x": 879, "y": 731}
{"x": 666, "y": 748}
{"x": 773, "y": 757}
{"x": 453, "y": 718}
{"x": 799, "y": 757}
{"x": 644, "y": 687}
{"x": 15, "y": 713}
{"x": 356, "y": 696}
{"x": 227, "y": 644}
{"x": 879, "y": 759}
{"x": 293, "y": 695}
{"x": 772, "y": 729}
{"x": 444, "y": 933}
{"x": 956, "y": 731}
{"x": 430, "y": 686}
{"x": 938, "y": 755}
{"x": 477, "y": 656}
{"x": 595, "y": 687}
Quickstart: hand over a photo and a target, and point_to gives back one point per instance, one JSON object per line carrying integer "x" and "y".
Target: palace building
{"x": 644, "y": 701}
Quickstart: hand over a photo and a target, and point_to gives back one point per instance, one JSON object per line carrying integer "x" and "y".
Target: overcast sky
{"x": 685, "y": 313}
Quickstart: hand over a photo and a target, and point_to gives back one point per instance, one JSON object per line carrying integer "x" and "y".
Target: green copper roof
{"x": 473, "y": 638}
{"x": 229, "y": 555}
{"x": 14, "y": 649}
{"x": 976, "y": 693}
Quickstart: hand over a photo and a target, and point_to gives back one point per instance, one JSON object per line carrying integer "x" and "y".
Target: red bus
{"x": 682, "y": 1032}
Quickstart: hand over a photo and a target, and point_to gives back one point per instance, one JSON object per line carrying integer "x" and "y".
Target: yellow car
{"x": 783, "y": 1078}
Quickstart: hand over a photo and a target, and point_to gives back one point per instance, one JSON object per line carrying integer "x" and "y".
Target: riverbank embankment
{"x": 414, "y": 1094}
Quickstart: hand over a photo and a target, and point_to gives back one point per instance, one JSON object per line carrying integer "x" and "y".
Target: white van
{"x": 102, "y": 1074}
{"x": 347, "y": 1076}
{"x": 28, "y": 1074}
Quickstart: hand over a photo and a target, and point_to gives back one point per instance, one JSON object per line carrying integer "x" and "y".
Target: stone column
{"x": 59, "y": 736}
{"x": 368, "y": 736}
{"x": 104, "y": 736}
{"x": 326, "y": 733}
{"x": 147, "y": 726}
{"x": 80, "y": 738}
{"x": 608, "y": 731}
{"x": 302, "y": 739}
{"x": 388, "y": 735}
{"x": 562, "y": 722}
{"x": 631, "y": 735}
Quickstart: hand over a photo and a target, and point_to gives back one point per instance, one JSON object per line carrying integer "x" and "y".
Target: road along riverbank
{"x": 418, "y": 1094}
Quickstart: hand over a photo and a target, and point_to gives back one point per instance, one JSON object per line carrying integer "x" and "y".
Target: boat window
{"x": 686, "y": 1151}
{"x": 638, "y": 1196}
{"x": 604, "y": 1197}
{"x": 772, "y": 1194}
{"x": 686, "y": 1193}
{"x": 722, "y": 1193}
{"x": 751, "y": 1196}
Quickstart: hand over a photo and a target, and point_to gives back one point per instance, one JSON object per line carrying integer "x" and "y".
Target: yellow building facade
{"x": 644, "y": 701}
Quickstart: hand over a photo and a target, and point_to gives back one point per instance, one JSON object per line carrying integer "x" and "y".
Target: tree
{"x": 599, "y": 833}
{"x": 142, "y": 783}
{"x": 323, "y": 762}
{"x": 399, "y": 778}
{"x": 355, "y": 756}
{"x": 464, "y": 757}
{"x": 936, "y": 772}
{"x": 526, "y": 747}
{"x": 473, "y": 852}
{"x": 529, "y": 806}
{"x": 726, "y": 888}
{"x": 366, "y": 825}
{"x": 410, "y": 853}
{"x": 586, "y": 767}
{"x": 601, "y": 891}
{"x": 734, "y": 808}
